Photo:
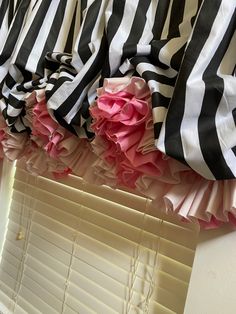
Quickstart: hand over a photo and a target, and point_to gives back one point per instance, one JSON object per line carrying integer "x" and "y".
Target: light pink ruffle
{"x": 126, "y": 156}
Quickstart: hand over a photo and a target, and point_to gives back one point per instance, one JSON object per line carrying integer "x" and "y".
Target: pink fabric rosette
{"x": 122, "y": 121}
{"x": 124, "y": 145}
{"x": 37, "y": 162}
{"x": 31, "y": 99}
{"x": 12, "y": 145}
{"x": 58, "y": 143}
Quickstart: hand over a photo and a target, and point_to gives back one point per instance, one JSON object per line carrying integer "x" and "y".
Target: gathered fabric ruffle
{"x": 116, "y": 107}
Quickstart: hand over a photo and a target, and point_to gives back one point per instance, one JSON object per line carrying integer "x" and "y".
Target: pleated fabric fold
{"x": 199, "y": 128}
{"x": 136, "y": 93}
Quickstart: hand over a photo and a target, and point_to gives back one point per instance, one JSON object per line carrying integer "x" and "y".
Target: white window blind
{"x": 91, "y": 249}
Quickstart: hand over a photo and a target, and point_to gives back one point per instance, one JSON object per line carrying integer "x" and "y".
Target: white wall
{"x": 213, "y": 282}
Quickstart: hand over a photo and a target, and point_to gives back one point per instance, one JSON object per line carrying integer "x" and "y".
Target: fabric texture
{"x": 136, "y": 94}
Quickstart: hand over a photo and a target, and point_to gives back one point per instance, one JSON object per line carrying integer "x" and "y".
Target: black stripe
{"x": 160, "y": 18}
{"x": 57, "y": 84}
{"x": 59, "y": 57}
{"x": 70, "y": 71}
{"x": 16, "y": 103}
{"x": 70, "y": 37}
{"x": 234, "y": 71}
{"x": 63, "y": 123}
{"x": 32, "y": 34}
{"x": 83, "y": 7}
{"x": 52, "y": 35}
{"x": 173, "y": 142}
{"x": 214, "y": 90}
{"x": 234, "y": 115}
{"x": 22, "y": 88}
{"x": 176, "y": 18}
{"x": 14, "y": 32}
{"x": 88, "y": 27}
{"x": 157, "y": 129}
{"x": 194, "y": 17}
{"x": 50, "y": 65}
{"x": 156, "y": 46}
{"x": 84, "y": 111}
{"x": 17, "y": 4}
{"x": 4, "y": 112}
{"x": 158, "y": 100}
{"x": 9, "y": 81}
{"x": 3, "y": 10}
{"x": 90, "y": 135}
{"x": 177, "y": 58}
{"x": 65, "y": 107}
{"x": 149, "y": 75}
{"x": 234, "y": 150}
{"x": 112, "y": 27}
{"x": 10, "y": 12}
{"x": 139, "y": 22}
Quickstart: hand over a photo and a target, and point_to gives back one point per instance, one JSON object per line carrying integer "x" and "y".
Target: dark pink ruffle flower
{"x": 121, "y": 119}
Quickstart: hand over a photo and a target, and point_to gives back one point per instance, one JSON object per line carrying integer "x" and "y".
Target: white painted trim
{"x": 7, "y": 170}
{"x": 213, "y": 280}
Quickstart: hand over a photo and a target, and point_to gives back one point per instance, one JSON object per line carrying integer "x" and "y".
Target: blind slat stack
{"x": 91, "y": 249}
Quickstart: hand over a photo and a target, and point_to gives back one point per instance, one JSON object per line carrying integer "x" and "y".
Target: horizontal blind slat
{"x": 93, "y": 248}
{"x": 185, "y": 252}
{"x": 77, "y": 191}
{"x": 97, "y": 205}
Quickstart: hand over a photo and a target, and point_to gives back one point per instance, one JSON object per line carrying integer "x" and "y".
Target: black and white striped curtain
{"x": 185, "y": 51}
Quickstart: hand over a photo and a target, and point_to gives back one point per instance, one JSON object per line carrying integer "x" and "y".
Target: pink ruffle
{"x": 76, "y": 154}
{"x": 38, "y": 163}
{"x": 14, "y": 144}
{"x": 122, "y": 154}
{"x": 127, "y": 157}
{"x": 31, "y": 99}
{"x": 211, "y": 203}
{"x": 122, "y": 121}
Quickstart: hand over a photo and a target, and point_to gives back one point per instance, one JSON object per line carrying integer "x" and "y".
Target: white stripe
{"x": 225, "y": 124}
{"x": 2, "y": 104}
{"x": 96, "y": 36}
{"x": 147, "y": 34}
{"x": 13, "y": 112}
{"x": 195, "y": 93}
{"x": 65, "y": 27}
{"x": 163, "y": 89}
{"x": 62, "y": 93}
{"x": 166, "y": 27}
{"x": 4, "y": 31}
{"x": 229, "y": 60}
{"x": 143, "y": 50}
{"x": 185, "y": 28}
{"x": 159, "y": 114}
{"x": 41, "y": 39}
{"x": 28, "y": 20}
{"x": 226, "y": 132}
{"x": 122, "y": 34}
{"x": 142, "y": 67}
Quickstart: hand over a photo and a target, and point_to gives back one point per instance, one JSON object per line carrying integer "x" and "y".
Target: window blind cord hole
{"x": 26, "y": 238}
{"x": 74, "y": 246}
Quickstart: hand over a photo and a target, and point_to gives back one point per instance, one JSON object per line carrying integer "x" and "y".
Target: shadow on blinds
{"x": 73, "y": 247}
